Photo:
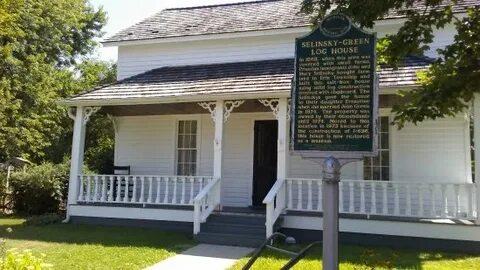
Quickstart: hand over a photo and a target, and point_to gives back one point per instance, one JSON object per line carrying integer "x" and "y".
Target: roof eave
{"x": 199, "y": 98}
{"x": 201, "y": 37}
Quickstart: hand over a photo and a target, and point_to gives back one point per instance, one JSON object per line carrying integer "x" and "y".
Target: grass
{"x": 362, "y": 258}
{"x": 69, "y": 246}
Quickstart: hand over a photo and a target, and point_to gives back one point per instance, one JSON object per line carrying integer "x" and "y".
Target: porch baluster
{"x": 290, "y": 195}
{"x": 385, "y": 199}
{"x": 104, "y": 188}
{"x": 174, "y": 196}
{"x": 432, "y": 197}
{"x": 95, "y": 182}
{"x": 409, "y": 200}
{"x": 134, "y": 192}
{"x": 443, "y": 189}
{"x": 110, "y": 192}
{"x": 142, "y": 189}
{"x": 456, "y": 211}
{"x": 470, "y": 192}
{"x": 165, "y": 198}
{"x": 396, "y": 209}
{"x": 119, "y": 188}
{"x": 157, "y": 197}
{"x": 89, "y": 186}
{"x": 184, "y": 180}
{"x": 373, "y": 206}
{"x": 125, "y": 193}
{"x": 192, "y": 180}
{"x": 420, "y": 201}
{"x": 309, "y": 202}
{"x": 362, "y": 197}
{"x": 299, "y": 202}
{"x": 319, "y": 202}
{"x": 350, "y": 197}
{"x": 150, "y": 189}
{"x": 82, "y": 183}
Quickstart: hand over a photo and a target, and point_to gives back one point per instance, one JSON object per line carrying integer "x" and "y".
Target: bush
{"x": 25, "y": 260}
{"x": 44, "y": 219}
{"x": 41, "y": 189}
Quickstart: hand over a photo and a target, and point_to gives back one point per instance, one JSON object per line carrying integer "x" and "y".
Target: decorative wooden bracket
{"x": 89, "y": 111}
{"x": 228, "y": 107}
{"x": 210, "y": 106}
{"x": 273, "y": 104}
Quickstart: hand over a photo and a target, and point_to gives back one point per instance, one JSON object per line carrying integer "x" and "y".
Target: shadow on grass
{"x": 93, "y": 234}
{"x": 357, "y": 257}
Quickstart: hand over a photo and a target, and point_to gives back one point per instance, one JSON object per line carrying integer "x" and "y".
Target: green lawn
{"x": 361, "y": 258}
{"x": 69, "y": 246}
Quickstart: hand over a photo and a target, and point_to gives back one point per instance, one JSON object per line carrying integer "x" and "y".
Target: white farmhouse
{"x": 201, "y": 116}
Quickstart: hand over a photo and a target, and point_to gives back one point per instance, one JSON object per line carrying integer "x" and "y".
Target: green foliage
{"x": 45, "y": 219}
{"x": 41, "y": 189}
{"x": 451, "y": 82}
{"x": 43, "y": 45}
{"x": 25, "y": 260}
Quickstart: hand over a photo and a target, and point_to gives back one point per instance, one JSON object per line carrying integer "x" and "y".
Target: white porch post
{"x": 78, "y": 144}
{"x": 476, "y": 138}
{"x": 218, "y": 141}
{"x": 282, "y": 145}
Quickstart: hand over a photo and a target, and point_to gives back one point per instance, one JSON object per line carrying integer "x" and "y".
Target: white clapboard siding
{"x": 140, "y": 58}
{"x": 135, "y": 59}
{"x": 433, "y": 151}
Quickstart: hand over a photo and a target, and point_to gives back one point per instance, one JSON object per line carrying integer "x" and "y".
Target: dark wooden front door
{"x": 264, "y": 160}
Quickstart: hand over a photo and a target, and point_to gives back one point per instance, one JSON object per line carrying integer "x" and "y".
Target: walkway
{"x": 203, "y": 256}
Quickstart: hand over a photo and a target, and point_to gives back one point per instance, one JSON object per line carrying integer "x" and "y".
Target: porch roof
{"x": 269, "y": 78}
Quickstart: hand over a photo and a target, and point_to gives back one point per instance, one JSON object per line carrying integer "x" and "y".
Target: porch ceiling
{"x": 244, "y": 80}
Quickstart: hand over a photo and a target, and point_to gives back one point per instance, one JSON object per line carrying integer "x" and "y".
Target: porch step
{"x": 234, "y": 229}
{"x": 229, "y": 239}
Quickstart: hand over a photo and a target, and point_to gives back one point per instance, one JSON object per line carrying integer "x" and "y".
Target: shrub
{"x": 41, "y": 189}
{"x": 14, "y": 260}
{"x": 44, "y": 219}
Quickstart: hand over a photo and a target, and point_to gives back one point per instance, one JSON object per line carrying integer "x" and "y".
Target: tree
{"x": 449, "y": 85}
{"x": 41, "y": 44}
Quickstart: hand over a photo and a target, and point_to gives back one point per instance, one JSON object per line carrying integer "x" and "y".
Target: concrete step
{"x": 229, "y": 239}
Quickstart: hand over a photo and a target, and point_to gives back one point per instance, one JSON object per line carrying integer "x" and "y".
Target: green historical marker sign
{"x": 334, "y": 99}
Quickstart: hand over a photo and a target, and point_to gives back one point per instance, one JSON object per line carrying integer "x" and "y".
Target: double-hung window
{"x": 187, "y": 147}
{"x": 378, "y": 168}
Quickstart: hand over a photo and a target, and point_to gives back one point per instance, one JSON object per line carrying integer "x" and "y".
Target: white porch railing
{"x": 276, "y": 203}
{"x": 140, "y": 189}
{"x": 381, "y": 198}
{"x": 205, "y": 202}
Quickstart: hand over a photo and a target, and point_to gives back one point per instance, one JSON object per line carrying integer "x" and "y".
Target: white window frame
{"x": 382, "y": 114}
{"x": 198, "y": 140}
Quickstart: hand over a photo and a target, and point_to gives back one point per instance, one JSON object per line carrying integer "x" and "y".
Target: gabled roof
{"x": 268, "y": 78}
{"x": 230, "y": 18}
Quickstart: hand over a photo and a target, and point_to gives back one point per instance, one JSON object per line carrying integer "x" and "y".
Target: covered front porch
{"x": 238, "y": 156}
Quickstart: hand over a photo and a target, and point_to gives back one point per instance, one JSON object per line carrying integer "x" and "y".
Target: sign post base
{"x": 331, "y": 178}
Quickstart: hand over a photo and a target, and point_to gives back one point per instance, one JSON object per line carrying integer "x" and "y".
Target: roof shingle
{"x": 229, "y": 18}
{"x": 270, "y": 76}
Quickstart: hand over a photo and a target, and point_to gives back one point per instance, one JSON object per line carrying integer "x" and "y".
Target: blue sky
{"x": 123, "y": 13}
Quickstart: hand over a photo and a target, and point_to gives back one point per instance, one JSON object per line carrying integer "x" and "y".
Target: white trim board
{"x": 131, "y": 213}
{"x": 397, "y": 228}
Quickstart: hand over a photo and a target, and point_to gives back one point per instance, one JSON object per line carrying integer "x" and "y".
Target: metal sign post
{"x": 334, "y": 109}
{"x": 331, "y": 179}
